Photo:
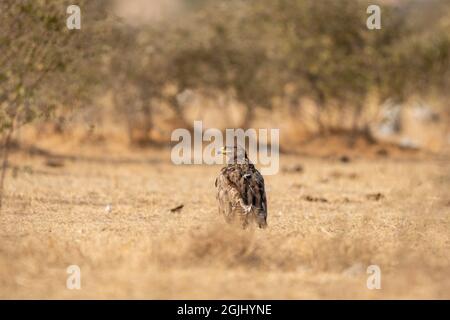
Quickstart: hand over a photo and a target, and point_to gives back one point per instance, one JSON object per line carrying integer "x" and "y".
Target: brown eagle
{"x": 240, "y": 189}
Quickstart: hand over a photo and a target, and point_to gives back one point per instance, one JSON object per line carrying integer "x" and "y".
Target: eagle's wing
{"x": 255, "y": 194}
{"x": 240, "y": 190}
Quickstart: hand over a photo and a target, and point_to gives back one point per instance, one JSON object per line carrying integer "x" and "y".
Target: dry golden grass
{"x": 55, "y": 217}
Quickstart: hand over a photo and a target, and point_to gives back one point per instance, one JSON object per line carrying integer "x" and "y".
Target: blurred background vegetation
{"x": 147, "y": 67}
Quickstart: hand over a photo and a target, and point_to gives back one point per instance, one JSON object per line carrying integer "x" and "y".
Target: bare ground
{"x": 327, "y": 224}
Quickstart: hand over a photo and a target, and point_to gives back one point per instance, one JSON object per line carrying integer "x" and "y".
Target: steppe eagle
{"x": 240, "y": 189}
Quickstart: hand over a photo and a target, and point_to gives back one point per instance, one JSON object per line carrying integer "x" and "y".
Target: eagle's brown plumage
{"x": 240, "y": 189}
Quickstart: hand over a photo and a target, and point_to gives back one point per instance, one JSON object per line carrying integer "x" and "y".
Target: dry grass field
{"x": 327, "y": 223}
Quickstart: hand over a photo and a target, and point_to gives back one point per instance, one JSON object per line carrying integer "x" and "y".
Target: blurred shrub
{"x": 257, "y": 51}
{"x": 43, "y": 64}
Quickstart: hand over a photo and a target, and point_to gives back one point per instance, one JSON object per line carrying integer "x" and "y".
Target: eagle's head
{"x": 235, "y": 154}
